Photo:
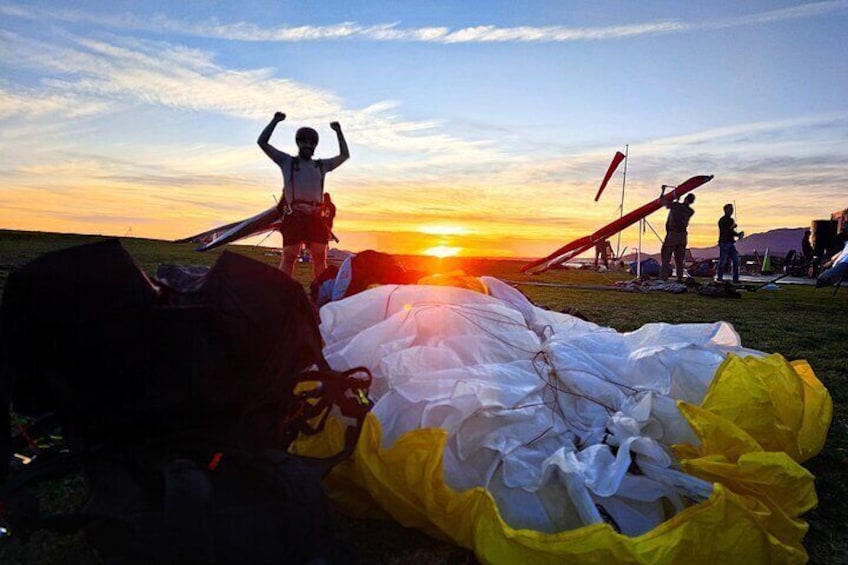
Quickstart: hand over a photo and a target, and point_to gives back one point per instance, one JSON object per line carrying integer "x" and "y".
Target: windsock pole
{"x": 621, "y": 207}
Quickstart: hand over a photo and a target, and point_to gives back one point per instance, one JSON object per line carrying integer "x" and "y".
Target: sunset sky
{"x": 475, "y": 128}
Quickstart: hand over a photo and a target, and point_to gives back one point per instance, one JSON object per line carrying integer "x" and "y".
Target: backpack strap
{"x": 349, "y": 392}
{"x": 294, "y": 165}
{"x": 299, "y": 411}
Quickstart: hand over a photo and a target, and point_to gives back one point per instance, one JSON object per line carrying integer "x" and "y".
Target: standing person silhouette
{"x": 807, "y": 254}
{"x": 679, "y": 214}
{"x": 603, "y": 251}
{"x": 303, "y": 193}
{"x": 806, "y": 248}
{"x": 727, "y": 236}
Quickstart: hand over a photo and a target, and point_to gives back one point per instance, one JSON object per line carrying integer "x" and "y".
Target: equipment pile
{"x": 177, "y": 406}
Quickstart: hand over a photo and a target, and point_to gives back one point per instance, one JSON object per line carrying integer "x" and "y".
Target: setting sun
{"x": 442, "y": 251}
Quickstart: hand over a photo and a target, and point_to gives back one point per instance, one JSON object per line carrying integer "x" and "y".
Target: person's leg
{"x": 295, "y": 230}
{"x": 665, "y": 269}
{"x": 316, "y": 238}
{"x": 722, "y": 261}
{"x": 319, "y": 258}
{"x": 734, "y": 257}
{"x": 679, "y": 258}
{"x": 289, "y": 258}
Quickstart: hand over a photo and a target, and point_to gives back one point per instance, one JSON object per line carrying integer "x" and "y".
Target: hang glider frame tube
{"x": 583, "y": 244}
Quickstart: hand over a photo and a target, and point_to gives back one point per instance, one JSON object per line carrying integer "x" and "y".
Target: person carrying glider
{"x": 727, "y": 236}
{"x": 303, "y": 193}
{"x": 679, "y": 214}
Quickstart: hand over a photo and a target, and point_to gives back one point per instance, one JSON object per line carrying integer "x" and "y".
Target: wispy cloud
{"x": 144, "y": 72}
{"x": 811, "y": 10}
{"x": 33, "y": 103}
{"x": 63, "y": 157}
{"x": 244, "y": 31}
{"x": 87, "y": 76}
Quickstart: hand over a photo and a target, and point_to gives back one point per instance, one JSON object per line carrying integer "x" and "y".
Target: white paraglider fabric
{"x": 565, "y": 422}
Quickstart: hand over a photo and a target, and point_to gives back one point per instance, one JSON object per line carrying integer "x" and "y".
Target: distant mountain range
{"x": 778, "y": 242}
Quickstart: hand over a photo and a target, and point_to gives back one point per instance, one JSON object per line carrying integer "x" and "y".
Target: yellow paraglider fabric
{"x": 759, "y": 419}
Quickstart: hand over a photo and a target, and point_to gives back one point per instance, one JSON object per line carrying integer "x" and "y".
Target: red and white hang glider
{"x": 583, "y": 244}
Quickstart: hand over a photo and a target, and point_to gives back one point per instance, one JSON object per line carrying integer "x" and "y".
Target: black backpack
{"x": 177, "y": 406}
{"x": 375, "y": 267}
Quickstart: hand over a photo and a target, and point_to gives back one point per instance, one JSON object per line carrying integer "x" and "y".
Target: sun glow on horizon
{"x": 442, "y": 251}
{"x": 436, "y": 172}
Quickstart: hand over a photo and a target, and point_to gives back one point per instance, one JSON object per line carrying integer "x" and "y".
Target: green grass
{"x": 799, "y": 322}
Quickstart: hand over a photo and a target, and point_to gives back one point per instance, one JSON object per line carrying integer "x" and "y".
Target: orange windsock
{"x": 616, "y": 161}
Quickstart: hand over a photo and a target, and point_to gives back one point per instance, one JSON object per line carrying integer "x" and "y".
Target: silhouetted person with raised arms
{"x": 303, "y": 193}
{"x": 676, "y": 226}
{"x": 727, "y": 236}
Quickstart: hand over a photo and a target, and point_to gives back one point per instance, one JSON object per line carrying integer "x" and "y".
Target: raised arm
{"x": 344, "y": 152}
{"x": 265, "y": 136}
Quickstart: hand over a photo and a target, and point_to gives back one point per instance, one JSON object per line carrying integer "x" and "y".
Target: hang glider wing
{"x": 260, "y": 223}
{"x": 208, "y": 235}
{"x": 583, "y": 244}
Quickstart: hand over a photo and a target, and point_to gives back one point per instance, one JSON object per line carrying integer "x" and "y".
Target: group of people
{"x": 308, "y": 211}
{"x": 674, "y": 245}
{"x": 675, "y": 241}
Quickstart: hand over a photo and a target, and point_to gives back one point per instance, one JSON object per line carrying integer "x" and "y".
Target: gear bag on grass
{"x": 145, "y": 377}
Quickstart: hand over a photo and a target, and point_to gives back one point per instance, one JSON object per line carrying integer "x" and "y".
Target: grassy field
{"x": 800, "y": 322}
